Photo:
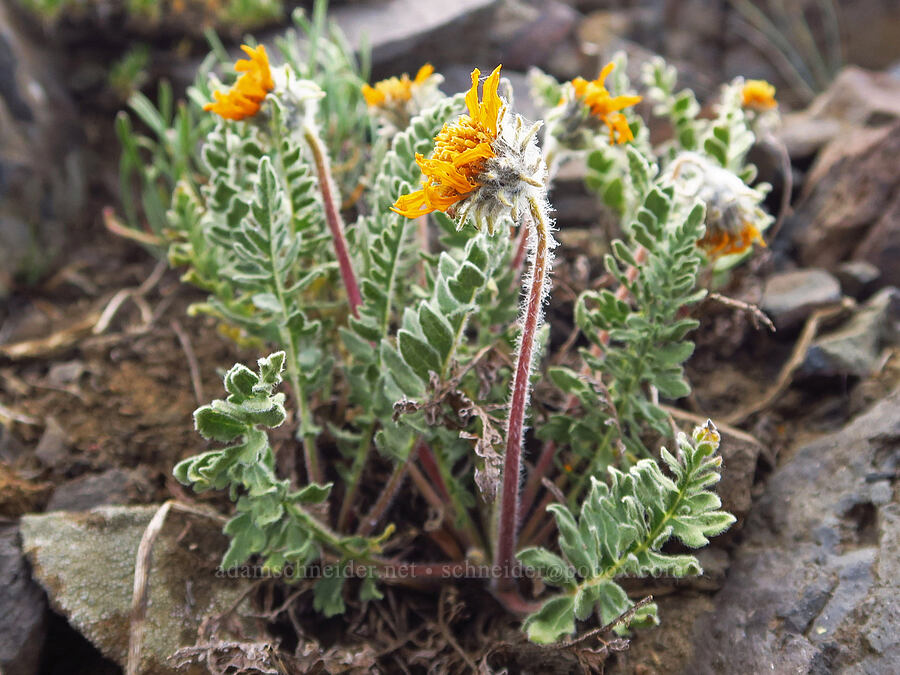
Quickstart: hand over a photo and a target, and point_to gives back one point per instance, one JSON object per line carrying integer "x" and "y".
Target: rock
{"x": 532, "y": 39}
{"x": 856, "y": 347}
{"x": 411, "y": 32}
{"x": 53, "y": 446}
{"x": 85, "y": 562}
{"x": 113, "y": 486}
{"x": 804, "y": 135}
{"x": 856, "y": 98}
{"x": 857, "y": 277}
{"x": 852, "y": 188}
{"x": 813, "y": 585}
{"x": 790, "y": 297}
{"x": 41, "y": 172}
{"x": 881, "y": 247}
{"x": 859, "y": 97}
{"x": 23, "y": 619}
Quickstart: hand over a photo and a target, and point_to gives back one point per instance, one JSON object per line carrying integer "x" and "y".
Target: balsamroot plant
{"x": 410, "y": 336}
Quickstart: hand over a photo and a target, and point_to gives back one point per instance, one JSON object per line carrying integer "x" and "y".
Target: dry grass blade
{"x": 797, "y": 356}
{"x": 185, "y": 341}
{"x": 141, "y": 592}
{"x": 42, "y": 347}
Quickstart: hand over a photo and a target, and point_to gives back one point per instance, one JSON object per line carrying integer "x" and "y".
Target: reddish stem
{"x": 429, "y": 464}
{"x": 371, "y": 519}
{"x": 519, "y": 257}
{"x": 333, "y": 218}
{"x": 533, "y": 484}
{"x": 512, "y": 464}
{"x": 548, "y": 453}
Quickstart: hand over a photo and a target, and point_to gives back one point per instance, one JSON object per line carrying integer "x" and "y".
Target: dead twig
{"x": 116, "y": 226}
{"x": 699, "y": 420}
{"x": 795, "y": 361}
{"x": 624, "y": 617}
{"x": 185, "y": 342}
{"x": 555, "y": 491}
{"x": 448, "y": 635}
{"x": 29, "y": 349}
{"x": 141, "y": 592}
{"x": 8, "y": 416}
{"x": 757, "y": 316}
{"x": 136, "y": 295}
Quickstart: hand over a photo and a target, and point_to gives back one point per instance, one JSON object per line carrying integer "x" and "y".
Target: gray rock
{"x": 813, "y": 585}
{"x": 86, "y": 492}
{"x": 881, "y": 247}
{"x": 850, "y": 195}
{"x": 53, "y": 446}
{"x": 857, "y": 277}
{"x": 22, "y": 619}
{"x": 531, "y": 40}
{"x": 790, "y": 297}
{"x": 85, "y": 562}
{"x": 41, "y": 172}
{"x": 856, "y": 347}
{"x": 397, "y": 28}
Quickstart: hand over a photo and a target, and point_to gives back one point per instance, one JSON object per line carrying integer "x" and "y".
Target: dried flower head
{"x": 604, "y": 106}
{"x": 758, "y": 95}
{"x": 734, "y": 218}
{"x": 245, "y": 98}
{"x": 482, "y": 166}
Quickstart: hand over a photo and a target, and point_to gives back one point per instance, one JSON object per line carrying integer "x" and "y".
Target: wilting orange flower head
{"x": 460, "y": 152}
{"x": 396, "y": 90}
{"x": 245, "y": 98}
{"x": 758, "y": 95}
{"x": 605, "y": 106}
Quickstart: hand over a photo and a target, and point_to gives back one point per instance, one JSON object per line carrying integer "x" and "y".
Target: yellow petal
{"x": 607, "y": 69}
{"x": 490, "y": 101}
{"x": 424, "y": 73}
{"x": 472, "y": 95}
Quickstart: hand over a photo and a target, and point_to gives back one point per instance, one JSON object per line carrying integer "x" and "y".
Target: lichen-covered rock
{"x": 85, "y": 561}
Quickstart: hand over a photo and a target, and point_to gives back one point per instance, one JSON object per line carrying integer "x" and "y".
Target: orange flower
{"x": 245, "y": 98}
{"x": 395, "y": 90}
{"x": 721, "y": 242}
{"x": 605, "y": 106}
{"x": 460, "y": 152}
{"x": 758, "y": 95}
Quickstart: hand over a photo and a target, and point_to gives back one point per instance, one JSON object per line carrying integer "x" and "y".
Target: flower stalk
{"x": 331, "y": 203}
{"x": 536, "y": 286}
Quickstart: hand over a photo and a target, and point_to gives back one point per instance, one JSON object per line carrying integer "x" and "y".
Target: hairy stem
{"x": 505, "y": 553}
{"x": 545, "y": 460}
{"x": 333, "y": 217}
